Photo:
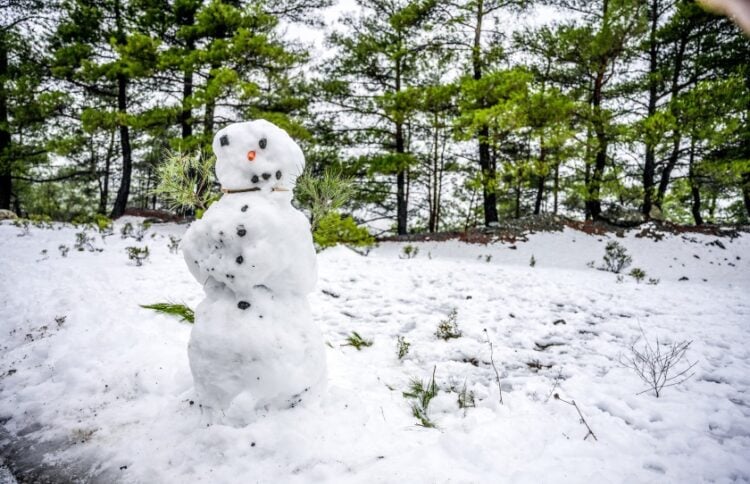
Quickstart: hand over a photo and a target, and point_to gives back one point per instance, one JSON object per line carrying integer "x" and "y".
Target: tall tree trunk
{"x": 593, "y": 201}
{"x": 6, "y": 180}
{"x": 650, "y": 156}
{"x": 186, "y": 114}
{"x": 104, "y": 198}
{"x": 401, "y": 207}
{"x": 746, "y": 191}
{"x": 666, "y": 173}
{"x": 439, "y": 191}
{"x": 486, "y": 163}
{"x": 712, "y": 207}
{"x": 539, "y": 195}
{"x": 121, "y": 202}
{"x": 540, "y": 183}
{"x": 695, "y": 192}
{"x": 746, "y": 151}
{"x": 401, "y": 195}
{"x": 186, "y": 18}
{"x": 432, "y": 197}
{"x": 208, "y": 114}
{"x": 556, "y": 187}
{"x": 674, "y": 156}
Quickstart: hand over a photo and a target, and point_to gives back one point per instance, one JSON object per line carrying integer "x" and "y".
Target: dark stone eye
{"x": 224, "y": 140}
{"x": 278, "y": 175}
{"x": 262, "y": 143}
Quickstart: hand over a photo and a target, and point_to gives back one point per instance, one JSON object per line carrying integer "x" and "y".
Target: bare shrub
{"x": 659, "y": 366}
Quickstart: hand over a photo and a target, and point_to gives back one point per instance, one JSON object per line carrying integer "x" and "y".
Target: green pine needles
{"x": 186, "y": 181}
{"x": 357, "y": 341}
{"x": 185, "y": 313}
{"x": 422, "y": 394}
{"x": 324, "y": 194}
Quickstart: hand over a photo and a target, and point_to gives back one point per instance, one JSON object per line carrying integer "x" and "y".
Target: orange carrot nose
{"x": 250, "y": 155}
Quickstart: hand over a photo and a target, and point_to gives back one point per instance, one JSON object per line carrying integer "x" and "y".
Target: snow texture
{"x": 254, "y": 345}
{"x": 89, "y": 377}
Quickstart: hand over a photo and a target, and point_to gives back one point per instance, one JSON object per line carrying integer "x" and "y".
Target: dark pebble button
{"x": 243, "y": 305}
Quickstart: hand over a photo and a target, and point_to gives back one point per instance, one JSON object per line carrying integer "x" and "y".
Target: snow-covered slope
{"x": 102, "y": 388}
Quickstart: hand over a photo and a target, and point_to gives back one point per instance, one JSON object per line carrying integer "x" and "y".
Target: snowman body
{"x": 254, "y": 345}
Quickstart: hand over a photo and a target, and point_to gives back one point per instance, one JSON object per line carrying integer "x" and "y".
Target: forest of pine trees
{"x": 445, "y": 115}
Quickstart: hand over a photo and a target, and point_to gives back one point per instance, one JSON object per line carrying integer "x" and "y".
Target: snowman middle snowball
{"x": 254, "y": 345}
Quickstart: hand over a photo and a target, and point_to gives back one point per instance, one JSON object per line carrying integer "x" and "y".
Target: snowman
{"x": 254, "y": 346}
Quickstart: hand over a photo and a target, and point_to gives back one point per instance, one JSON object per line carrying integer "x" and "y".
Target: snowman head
{"x": 257, "y": 154}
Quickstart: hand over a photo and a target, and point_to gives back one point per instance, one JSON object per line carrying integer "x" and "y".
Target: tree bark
{"x": 433, "y": 197}
{"x": 695, "y": 192}
{"x": 649, "y": 167}
{"x": 486, "y": 163}
{"x": 187, "y": 19}
{"x": 121, "y": 202}
{"x": 104, "y": 198}
{"x": 593, "y": 202}
{"x": 187, "y": 113}
{"x": 540, "y": 183}
{"x": 401, "y": 196}
{"x": 6, "y": 180}
{"x": 674, "y": 156}
{"x": 746, "y": 191}
{"x": 401, "y": 207}
{"x": 556, "y": 187}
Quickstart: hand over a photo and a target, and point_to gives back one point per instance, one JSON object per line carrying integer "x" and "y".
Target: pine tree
{"x": 600, "y": 49}
{"x": 377, "y": 59}
{"x": 27, "y": 101}
{"x": 471, "y": 22}
{"x": 106, "y": 57}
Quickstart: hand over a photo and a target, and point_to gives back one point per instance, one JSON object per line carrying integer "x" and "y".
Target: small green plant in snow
{"x": 422, "y": 394}
{"x": 409, "y": 252}
{"x": 402, "y": 347}
{"x": 137, "y": 254}
{"x": 448, "y": 328}
{"x": 616, "y": 257}
{"x": 357, "y": 341}
{"x": 181, "y": 310}
{"x": 84, "y": 242}
{"x": 466, "y": 398}
{"x": 638, "y": 274}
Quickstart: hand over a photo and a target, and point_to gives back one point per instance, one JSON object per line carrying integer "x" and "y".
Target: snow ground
{"x": 95, "y": 386}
